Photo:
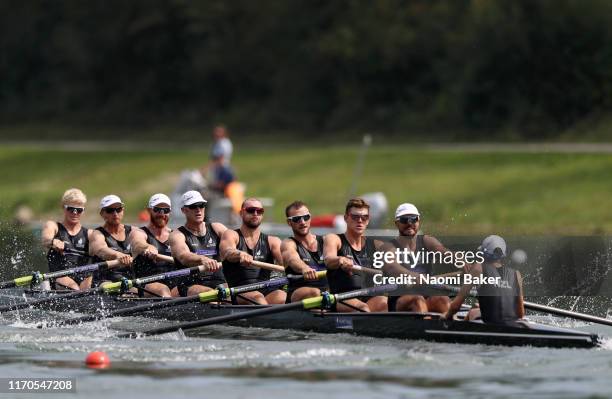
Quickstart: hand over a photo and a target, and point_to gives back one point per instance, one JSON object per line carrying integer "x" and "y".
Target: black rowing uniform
{"x": 237, "y": 275}
{"x": 499, "y": 302}
{"x": 144, "y": 266}
{"x": 339, "y": 280}
{"x": 207, "y": 245}
{"x": 422, "y": 267}
{"x": 76, "y": 252}
{"x": 314, "y": 259}
{"x": 124, "y": 246}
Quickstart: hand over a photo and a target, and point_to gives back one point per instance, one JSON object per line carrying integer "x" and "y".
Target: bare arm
{"x": 229, "y": 250}
{"x": 138, "y": 240}
{"x": 181, "y": 252}
{"x": 464, "y": 292}
{"x": 393, "y": 268}
{"x": 520, "y": 310}
{"x": 331, "y": 245}
{"x": 99, "y": 248}
{"x": 291, "y": 258}
{"x": 49, "y": 231}
{"x": 275, "y": 246}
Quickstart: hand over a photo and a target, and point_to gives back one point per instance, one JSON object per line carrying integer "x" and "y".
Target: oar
{"x": 204, "y": 297}
{"x": 27, "y": 280}
{"x": 567, "y": 313}
{"x": 106, "y": 288}
{"x": 261, "y": 265}
{"x": 308, "y": 303}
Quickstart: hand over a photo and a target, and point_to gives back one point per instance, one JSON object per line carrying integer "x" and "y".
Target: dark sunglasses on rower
{"x": 198, "y": 205}
{"x": 74, "y": 209}
{"x": 297, "y": 219}
{"x": 360, "y": 218}
{"x": 412, "y": 219}
{"x": 165, "y": 211}
{"x": 113, "y": 210}
{"x": 254, "y": 210}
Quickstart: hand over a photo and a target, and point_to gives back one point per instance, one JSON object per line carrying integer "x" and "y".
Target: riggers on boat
{"x": 401, "y": 325}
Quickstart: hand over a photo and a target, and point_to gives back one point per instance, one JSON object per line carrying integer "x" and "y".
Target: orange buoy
{"x": 97, "y": 360}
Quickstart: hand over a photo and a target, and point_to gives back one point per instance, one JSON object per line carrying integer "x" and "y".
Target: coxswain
{"x": 343, "y": 251}
{"x": 68, "y": 241}
{"x": 242, "y": 246}
{"x": 151, "y": 240}
{"x": 197, "y": 243}
{"x": 303, "y": 254}
{"x": 500, "y": 296}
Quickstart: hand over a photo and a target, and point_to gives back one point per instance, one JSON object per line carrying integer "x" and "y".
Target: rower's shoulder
{"x": 50, "y": 225}
{"x": 288, "y": 243}
{"x": 219, "y": 228}
{"x": 230, "y": 234}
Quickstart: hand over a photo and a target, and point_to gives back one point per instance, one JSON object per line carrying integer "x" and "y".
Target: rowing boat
{"x": 402, "y": 325}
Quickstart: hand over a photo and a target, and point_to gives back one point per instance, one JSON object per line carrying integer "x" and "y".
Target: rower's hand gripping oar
{"x": 261, "y": 265}
{"x": 37, "y": 277}
{"x": 325, "y": 300}
{"x": 218, "y": 294}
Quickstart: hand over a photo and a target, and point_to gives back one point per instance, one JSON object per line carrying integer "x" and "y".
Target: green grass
{"x": 458, "y": 193}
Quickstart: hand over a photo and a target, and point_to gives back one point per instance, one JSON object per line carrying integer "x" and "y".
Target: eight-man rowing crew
{"x": 155, "y": 249}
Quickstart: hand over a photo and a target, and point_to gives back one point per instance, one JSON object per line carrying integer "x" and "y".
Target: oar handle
{"x": 268, "y": 266}
{"x": 368, "y": 270}
{"x": 170, "y": 259}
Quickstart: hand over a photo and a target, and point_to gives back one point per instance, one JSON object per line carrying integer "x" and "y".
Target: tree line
{"x": 472, "y": 66}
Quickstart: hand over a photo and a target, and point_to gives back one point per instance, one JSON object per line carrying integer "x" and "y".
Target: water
{"x": 235, "y": 362}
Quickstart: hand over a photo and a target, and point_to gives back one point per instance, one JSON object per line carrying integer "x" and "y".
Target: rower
{"x": 197, "y": 243}
{"x": 152, "y": 240}
{"x": 242, "y": 246}
{"x": 303, "y": 254}
{"x": 408, "y": 223}
{"x": 110, "y": 241}
{"x": 342, "y": 251}
{"x": 500, "y": 302}
{"x": 68, "y": 241}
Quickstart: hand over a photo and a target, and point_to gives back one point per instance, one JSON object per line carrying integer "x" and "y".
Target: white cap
{"x": 157, "y": 199}
{"x": 406, "y": 209}
{"x": 192, "y": 197}
{"x": 109, "y": 200}
{"x": 493, "y": 247}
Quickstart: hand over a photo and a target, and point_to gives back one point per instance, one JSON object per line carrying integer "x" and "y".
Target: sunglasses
{"x": 297, "y": 219}
{"x": 113, "y": 210}
{"x": 197, "y": 205}
{"x": 360, "y": 218}
{"x": 412, "y": 219}
{"x": 74, "y": 209}
{"x": 254, "y": 210}
{"x": 165, "y": 211}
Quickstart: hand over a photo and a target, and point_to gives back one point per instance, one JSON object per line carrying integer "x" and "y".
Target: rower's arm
{"x": 100, "y": 248}
{"x": 520, "y": 311}
{"x": 393, "y": 268}
{"x": 275, "y": 246}
{"x": 49, "y": 231}
{"x": 180, "y": 251}
{"x": 331, "y": 245}
{"x": 464, "y": 292}
{"x": 227, "y": 246}
{"x": 138, "y": 240}
{"x": 291, "y": 257}
{"x": 219, "y": 228}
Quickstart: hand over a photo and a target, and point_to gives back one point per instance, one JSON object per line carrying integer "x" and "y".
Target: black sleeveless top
{"x": 341, "y": 281}
{"x": 498, "y": 302}
{"x": 207, "y": 245}
{"x": 422, "y": 265}
{"x": 236, "y": 275}
{"x": 119, "y": 246}
{"x": 144, "y": 266}
{"x": 312, "y": 259}
{"x": 76, "y": 250}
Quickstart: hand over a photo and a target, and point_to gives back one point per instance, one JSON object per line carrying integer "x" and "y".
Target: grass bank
{"x": 458, "y": 192}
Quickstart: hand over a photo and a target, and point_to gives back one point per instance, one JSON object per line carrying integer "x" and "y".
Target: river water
{"x": 233, "y": 362}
